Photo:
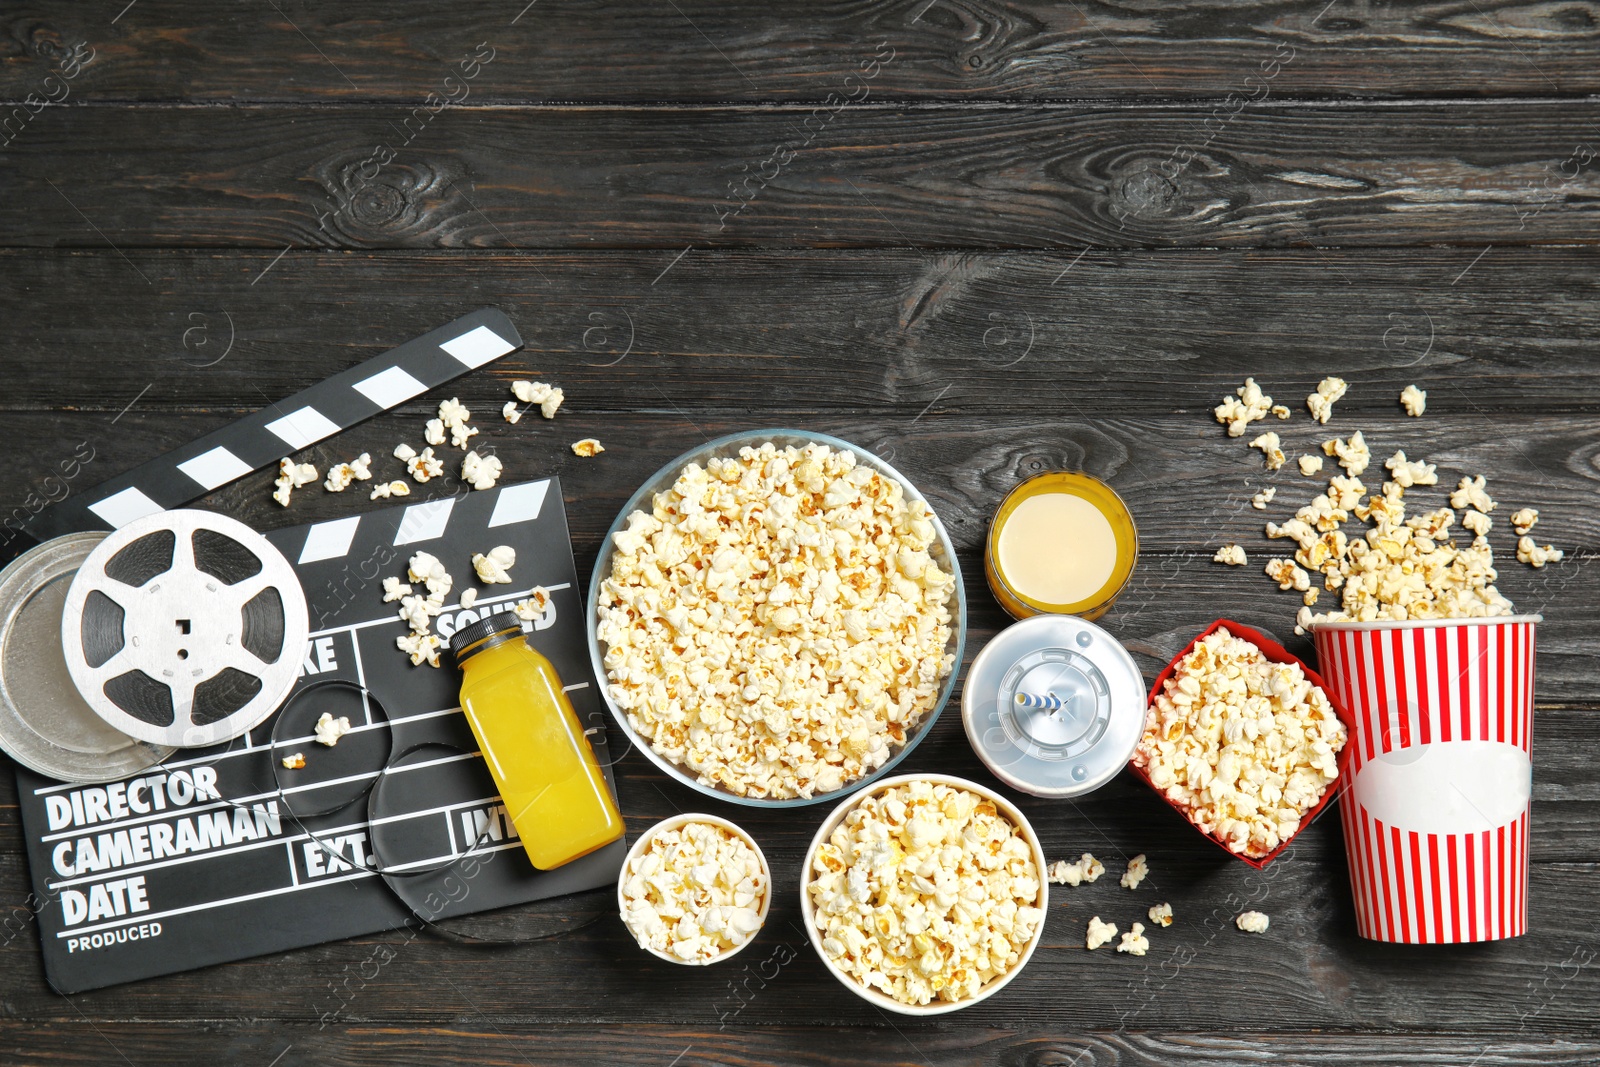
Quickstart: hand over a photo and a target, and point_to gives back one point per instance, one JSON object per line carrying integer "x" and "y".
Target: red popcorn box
{"x": 1440, "y": 774}
{"x": 1275, "y": 653}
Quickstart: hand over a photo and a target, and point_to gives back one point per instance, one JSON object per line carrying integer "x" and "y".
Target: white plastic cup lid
{"x": 1054, "y": 706}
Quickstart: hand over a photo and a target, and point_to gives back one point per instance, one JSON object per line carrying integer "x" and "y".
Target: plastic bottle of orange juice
{"x": 533, "y": 743}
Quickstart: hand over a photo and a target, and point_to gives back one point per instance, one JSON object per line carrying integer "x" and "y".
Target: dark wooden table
{"x": 979, "y": 238}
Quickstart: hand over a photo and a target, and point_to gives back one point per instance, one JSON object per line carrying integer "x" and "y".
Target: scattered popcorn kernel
{"x": 1085, "y": 869}
{"x": 433, "y": 432}
{"x": 329, "y": 729}
{"x": 1414, "y": 400}
{"x": 1161, "y": 914}
{"x": 1352, "y": 453}
{"x": 421, "y": 648}
{"x": 534, "y": 606}
{"x": 1310, "y": 465}
{"x": 384, "y": 490}
{"x": 1280, "y": 410}
{"x": 1268, "y": 443}
{"x": 1263, "y": 498}
{"x": 1477, "y": 523}
{"x": 1320, "y": 403}
{"x": 1098, "y": 934}
{"x": 1470, "y": 493}
{"x": 1522, "y": 521}
{"x": 1309, "y": 597}
{"x": 548, "y": 397}
{"x": 292, "y": 476}
{"x": 511, "y": 413}
{"x": 587, "y": 447}
{"x": 480, "y": 472}
{"x": 394, "y": 589}
{"x": 1249, "y": 405}
{"x": 1134, "y": 943}
{"x": 1530, "y": 553}
{"x": 340, "y": 475}
{"x": 1232, "y": 555}
{"x": 423, "y": 466}
{"x": 926, "y": 892}
{"x": 494, "y": 566}
{"x": 1252, "y": 922}
{"x": 1406, "y": 473}
{"x": 404, "y": 452}
{"x": 695, "y": 892}
{"x": 1287, "y": 575}
{"x": 1243, "y": 746}
{"x": 1137, "y": 871}
{"x": 295, "y": 761}
{"x": 469, "y": 597}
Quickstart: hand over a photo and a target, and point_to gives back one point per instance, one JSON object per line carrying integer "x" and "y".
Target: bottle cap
{"x": 1054, "y": 706}
{"x": 488, "y": 626}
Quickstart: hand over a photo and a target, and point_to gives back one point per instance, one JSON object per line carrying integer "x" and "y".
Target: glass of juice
{"x": 533, "y": 743}
{"x": 1060, "y": 543}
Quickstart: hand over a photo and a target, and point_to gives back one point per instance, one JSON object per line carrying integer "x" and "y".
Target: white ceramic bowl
{"x": 873, "y": 996}
{"x": 672, "y": 824}
{"x": 943, "y": 552}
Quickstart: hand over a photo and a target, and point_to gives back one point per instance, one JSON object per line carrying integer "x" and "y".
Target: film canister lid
{"x": 1054, "y": 706}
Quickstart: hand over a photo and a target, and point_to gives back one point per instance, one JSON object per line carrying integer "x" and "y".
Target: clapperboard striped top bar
{"x": 261, "y": 439}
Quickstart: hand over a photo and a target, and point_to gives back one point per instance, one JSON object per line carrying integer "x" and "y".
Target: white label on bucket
{"x": 1448, "y": 787}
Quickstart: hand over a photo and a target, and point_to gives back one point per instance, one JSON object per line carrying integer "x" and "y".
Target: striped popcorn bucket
{"x": 1440, "y": 775}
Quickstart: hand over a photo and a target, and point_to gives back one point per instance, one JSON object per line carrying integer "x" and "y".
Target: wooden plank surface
{"x": 1015, "y": 176}
{"x": 745, "y": 50}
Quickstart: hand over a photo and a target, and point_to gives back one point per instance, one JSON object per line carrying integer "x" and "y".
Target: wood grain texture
{"x": 494, "y": 1044}
{"x": 1066, "y": 176}
{"x": 701, "y": 50}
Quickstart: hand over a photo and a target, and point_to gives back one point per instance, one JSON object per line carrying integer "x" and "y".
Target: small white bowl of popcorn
{"x": 694, "y": 889}
{"x": 962, "y": 878}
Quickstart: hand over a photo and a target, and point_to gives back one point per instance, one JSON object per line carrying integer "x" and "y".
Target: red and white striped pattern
{"x": 1466, "y": 680}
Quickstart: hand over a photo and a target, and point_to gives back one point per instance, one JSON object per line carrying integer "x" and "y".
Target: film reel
{"x": 184, "y": 628}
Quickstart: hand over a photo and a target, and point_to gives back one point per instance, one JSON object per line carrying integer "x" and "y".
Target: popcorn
{"x": 1263, "y": 498}
{"x": 427, "y": 569}
{"x": 494, "y": 566}
{"x": 1477, "y": 523}
{"x": 1086, "y": 869}
{"x": 1268, "y": 443}
{"x": 1345, "y": 493}
{"x": 1245, "y": 747}
{"x": 1237, "y": 412}
{"x": 1470, "y": 493}
{"x": 1530, "y": 553}
{"x": 1310, "y": 465}
{"x": 340, "y": 475}
{"x": 534, "y": 607}
{"x": 404, "y": 452}
{"x": 545, "y": 395}
{"x": 294, "y": 761}
{"x": 1287, "y": 575}
{"x": 453, "y": 416}
{"x": 1414, "y": 400}
{"x": 1230, "y": 554}
{"x": 1407, "y": 473}
{"x": 589, "y": 446}
{"x": 695, "y": 892}
{"x": 329, "y": 729}
{"x": 1309, "y": 597}
{"x": 292, "y": 476}
{"x": 1137, "y": 871}
{"x": 385, "y": 490}
{"x": 1352, "y": 453}
{"x": 1252, "y": 922}
{"x": 1522, "y": 521}
{"x": 469, "y": 597}
{"x": 421, "y": 465}
{"x": 1161, "y": 913}
{"x": 1280, "y": 410}
{"x": 480, "y": 472}
{"x": 1320, "y": 403}
{"x": 420, "y": 647}
{"x": 1134, "y": 943}
{"x": 394, "y": 589}
{"x": 511, "y": 413}
{"x": 925, "y": 892}
{"x": 774, "y": 624}
{"x": 1098, "y": 934}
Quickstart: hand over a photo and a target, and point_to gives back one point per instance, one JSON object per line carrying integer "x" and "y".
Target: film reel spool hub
{"x": 184, "y": 628}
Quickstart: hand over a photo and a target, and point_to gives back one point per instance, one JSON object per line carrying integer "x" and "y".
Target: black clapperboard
{"x": 244, "y": 882}
{"x": 197, "y": 862}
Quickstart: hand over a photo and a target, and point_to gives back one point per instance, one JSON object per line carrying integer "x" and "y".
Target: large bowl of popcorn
{"x": 925, "y": 894}
{"x": 1244, "y": 740}
{"x": 776, "y": 618}
{"x": 694, "y": 889}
